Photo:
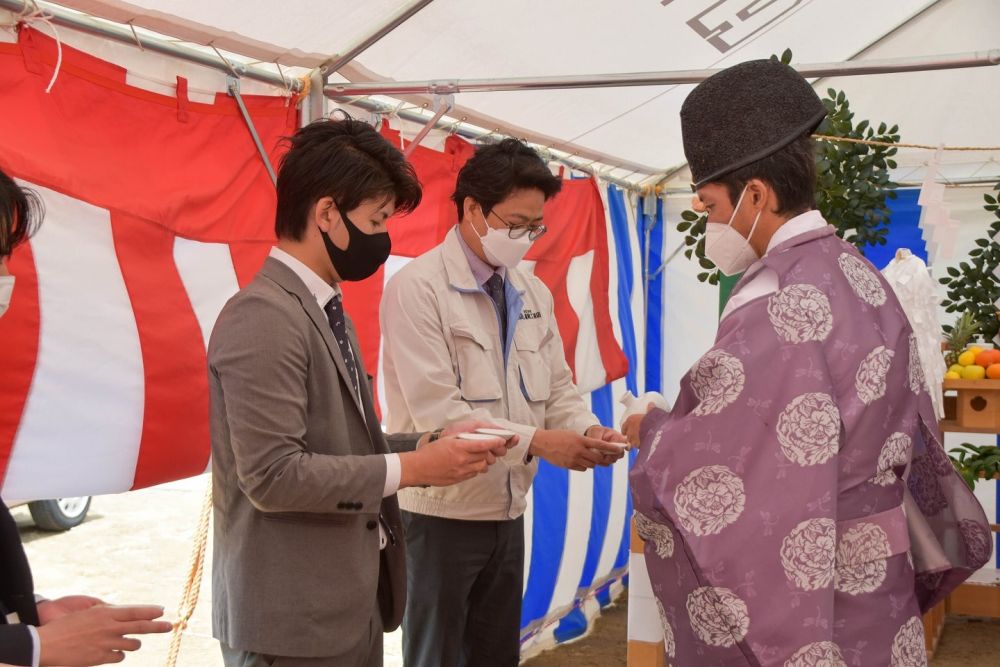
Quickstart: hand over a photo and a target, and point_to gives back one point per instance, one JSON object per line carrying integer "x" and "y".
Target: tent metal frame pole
{"x": 123, "y": 34}
{"x": 442, "y": 105}
{"x": 852, "y": 68}
{"x": 314, "y": 106}
{"x": 399, "y": 18}
{"x": 475, "y": 134}
{"x": 233, "y": 88}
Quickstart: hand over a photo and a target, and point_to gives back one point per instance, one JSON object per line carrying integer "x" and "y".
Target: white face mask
{"x": 6, "y": 291}
{"x": 500, "y": 249}
{"x": 727, "y": 248}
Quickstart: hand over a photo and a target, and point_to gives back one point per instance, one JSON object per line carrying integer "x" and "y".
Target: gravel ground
{"x": 966, "y": 642}
{"x": 136, "y": 547}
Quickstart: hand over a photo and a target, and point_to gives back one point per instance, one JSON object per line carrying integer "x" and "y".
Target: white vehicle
{"x": 58, "y": 514}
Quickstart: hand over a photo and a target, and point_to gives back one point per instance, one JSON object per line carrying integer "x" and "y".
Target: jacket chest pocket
{"x": 536, "y": 375}
{"x": 476, "y": 360}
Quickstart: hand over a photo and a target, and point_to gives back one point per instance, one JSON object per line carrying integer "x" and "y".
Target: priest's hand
{"x": 631, "y": 426}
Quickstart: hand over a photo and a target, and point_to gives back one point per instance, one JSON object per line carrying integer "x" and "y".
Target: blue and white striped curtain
{"x": 577, "y": 524}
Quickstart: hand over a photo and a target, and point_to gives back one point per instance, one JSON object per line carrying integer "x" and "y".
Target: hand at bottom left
{"x": 98, "y": 634}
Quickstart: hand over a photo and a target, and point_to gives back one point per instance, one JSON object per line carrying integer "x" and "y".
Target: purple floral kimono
{"x": 780, "y": 498}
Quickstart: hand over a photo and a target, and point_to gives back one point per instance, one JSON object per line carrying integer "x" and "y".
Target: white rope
{"x": 30, "y": 14}
{"x": 890, "y": 144}
{"x": 288, "y": 87}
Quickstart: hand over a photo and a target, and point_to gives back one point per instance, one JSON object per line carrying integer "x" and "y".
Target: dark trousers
{"x": 464, "y": 584}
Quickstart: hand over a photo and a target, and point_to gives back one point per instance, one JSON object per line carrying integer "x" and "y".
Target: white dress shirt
{"x": 766, "y": 280}
{"x": 36, "y": 642}
{"x": 323, "y": 292}
{"x": 36, "y": 651}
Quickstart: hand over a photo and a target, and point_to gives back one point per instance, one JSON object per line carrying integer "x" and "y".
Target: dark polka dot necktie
{"x": 335, "y": 315}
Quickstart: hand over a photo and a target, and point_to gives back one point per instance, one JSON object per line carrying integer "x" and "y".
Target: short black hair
{"x": 791, "y": 171}
{"x": 21, "y": 212}
{"x": 497, "y": 170}
{"x": 345, "y": 159}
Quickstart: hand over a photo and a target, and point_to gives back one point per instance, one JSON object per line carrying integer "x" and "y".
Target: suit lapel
{"x": 286, "y": 278}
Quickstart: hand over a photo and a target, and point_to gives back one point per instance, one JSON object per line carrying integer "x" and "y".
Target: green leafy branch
{"x": 974, "y": 286}
{"x": 976, "y": 462}
{"x": 693, "y": 226}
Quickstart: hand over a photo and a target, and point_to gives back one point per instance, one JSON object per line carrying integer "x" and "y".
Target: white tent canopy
{"x": 631, "y": 133}
{"x": 625, "y": 134}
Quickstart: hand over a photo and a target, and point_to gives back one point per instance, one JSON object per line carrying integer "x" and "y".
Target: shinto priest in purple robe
{"x": 797, "y": 505}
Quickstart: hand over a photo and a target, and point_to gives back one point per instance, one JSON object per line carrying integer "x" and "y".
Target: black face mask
{"x": 364, "y": 254}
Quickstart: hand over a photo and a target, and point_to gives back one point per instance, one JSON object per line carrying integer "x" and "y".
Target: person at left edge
{"x": 308, "y": 563}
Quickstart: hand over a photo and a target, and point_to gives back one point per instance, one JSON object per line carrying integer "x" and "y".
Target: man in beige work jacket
{"x": 466, "y": 334}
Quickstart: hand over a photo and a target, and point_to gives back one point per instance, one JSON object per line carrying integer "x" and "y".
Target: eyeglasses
{"x": 518, "y": 231}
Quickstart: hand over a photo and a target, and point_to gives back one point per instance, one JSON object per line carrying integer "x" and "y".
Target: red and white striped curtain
{"x": 158, "y": 209}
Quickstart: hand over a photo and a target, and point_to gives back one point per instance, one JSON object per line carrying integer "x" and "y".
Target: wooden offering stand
{"x": 970, "y": 406}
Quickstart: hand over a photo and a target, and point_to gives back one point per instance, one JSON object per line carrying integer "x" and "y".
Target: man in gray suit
{"x": 308, "y": 552}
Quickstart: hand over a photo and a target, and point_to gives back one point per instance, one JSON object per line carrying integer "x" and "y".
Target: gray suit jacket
{"x": 297, "y": 569}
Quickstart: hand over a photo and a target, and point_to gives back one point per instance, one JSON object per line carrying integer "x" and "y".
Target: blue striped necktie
{"x": 494, "y": 287}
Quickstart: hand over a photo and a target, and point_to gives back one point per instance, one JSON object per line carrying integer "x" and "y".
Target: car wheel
{"x": 61, "y": 514}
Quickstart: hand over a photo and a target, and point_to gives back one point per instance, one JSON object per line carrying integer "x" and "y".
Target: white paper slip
{"x": 497, "y": 432}
{"x": 476, "y": 436}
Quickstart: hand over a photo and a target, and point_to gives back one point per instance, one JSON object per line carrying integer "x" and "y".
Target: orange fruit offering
{"x": 987, "y": 358}
{"x": 993, "y": 372}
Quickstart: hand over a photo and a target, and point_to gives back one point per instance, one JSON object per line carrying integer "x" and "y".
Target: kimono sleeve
{"x": 744, "y": 470}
